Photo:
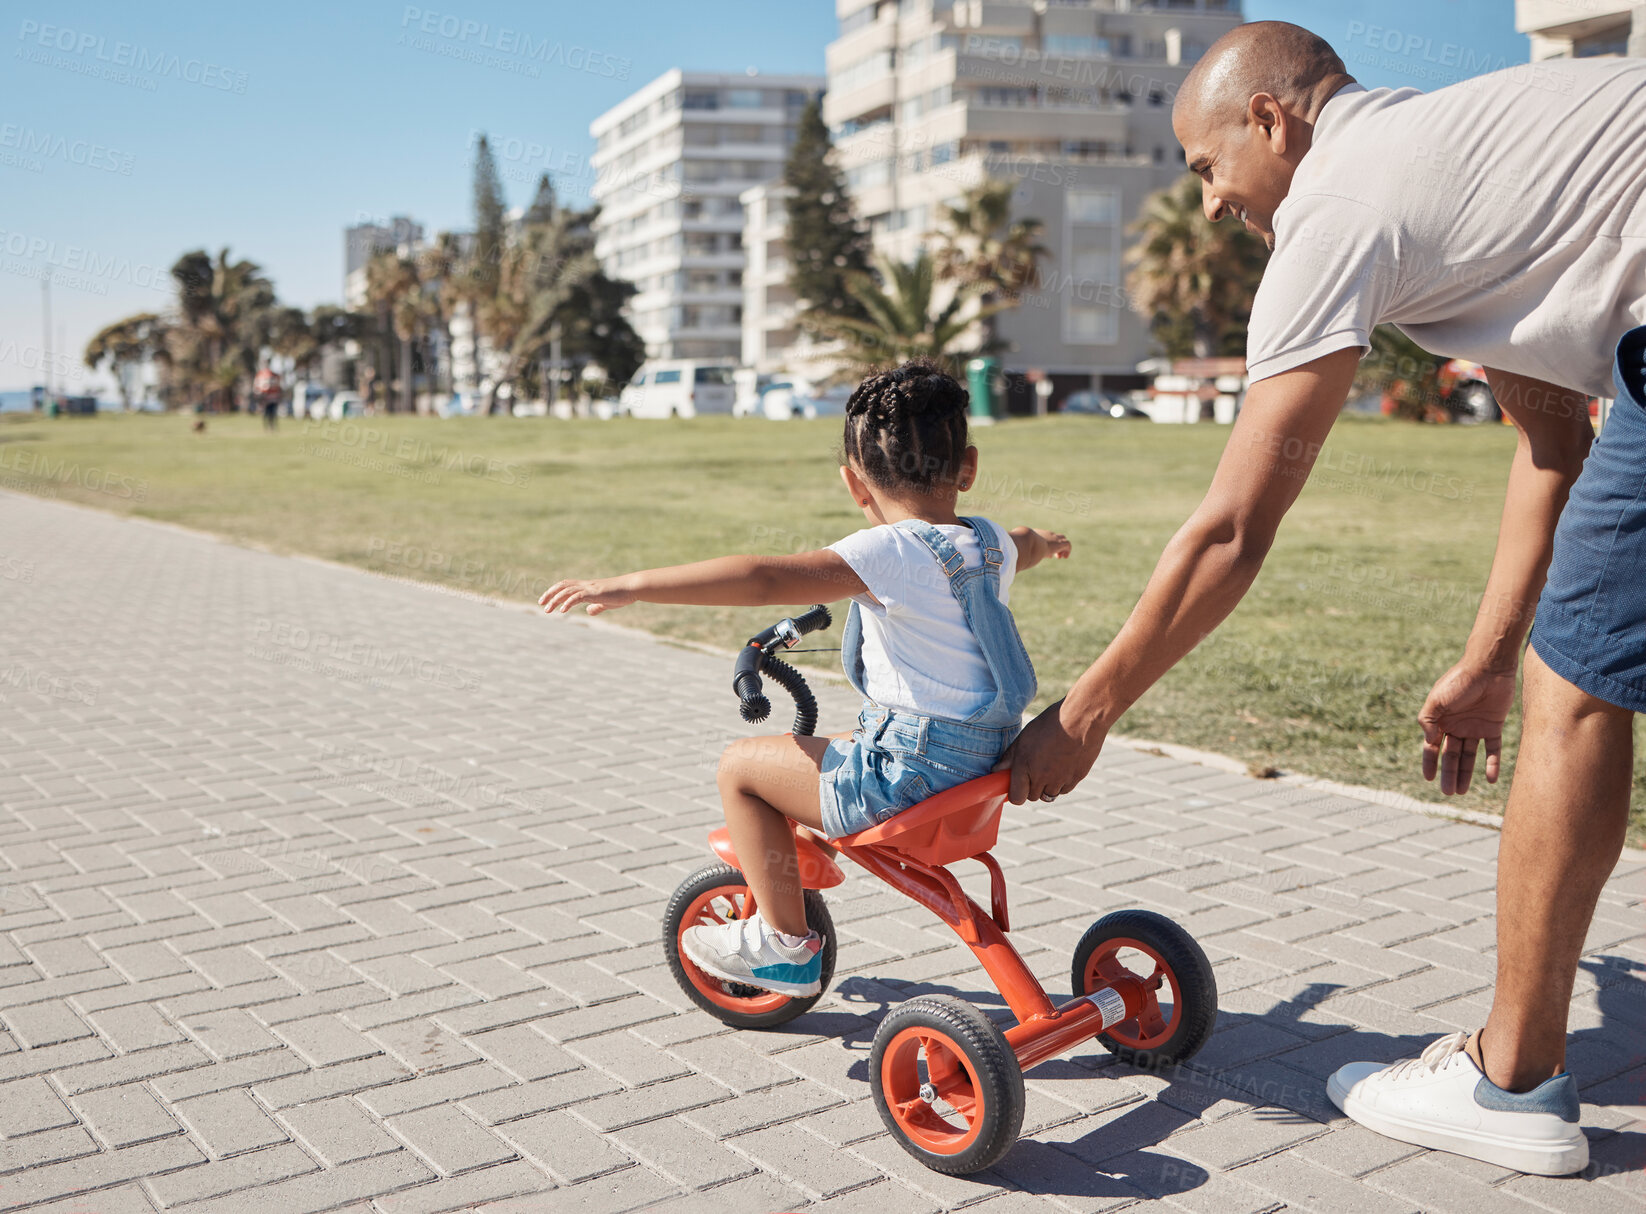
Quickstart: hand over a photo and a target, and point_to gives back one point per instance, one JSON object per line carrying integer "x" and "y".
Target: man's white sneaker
{"x": 747, "y": 951}
{"x": 1442, "y": 1100}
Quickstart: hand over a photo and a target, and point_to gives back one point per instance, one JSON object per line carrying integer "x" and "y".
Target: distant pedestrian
{"x": 266, "y": 389}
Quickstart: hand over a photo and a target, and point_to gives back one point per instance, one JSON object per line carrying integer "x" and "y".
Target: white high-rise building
{"x": 671, "y": 161}
{"x": 1582, "y": 29}
{"x": 1070, "y": 100}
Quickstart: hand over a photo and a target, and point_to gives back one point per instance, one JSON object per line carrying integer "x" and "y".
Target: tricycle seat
{"x": 956, "y": 824}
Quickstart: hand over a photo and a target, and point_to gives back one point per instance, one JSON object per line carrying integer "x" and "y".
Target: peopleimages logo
{"x": 97, "y": 51}
{"x": 512, "y": 42}
{"x": 80, "y": 260}
{"x": 83, "y": 152}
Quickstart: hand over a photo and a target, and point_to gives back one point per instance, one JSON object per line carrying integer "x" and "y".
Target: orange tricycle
{"x": 947, "y": 1079}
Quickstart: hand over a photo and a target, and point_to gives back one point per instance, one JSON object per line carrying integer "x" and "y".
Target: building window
{"x": 1614, "y": 41}
{"x": 1092, "y": 206}
{"x": 864, "y": 71}
{"x": 744, "y": 99}
{"x": 1091, "y": 249}
{"x": 867, "y": 176}
{"x": 1087, "y": 325}
{"x": 1075, "y": 46}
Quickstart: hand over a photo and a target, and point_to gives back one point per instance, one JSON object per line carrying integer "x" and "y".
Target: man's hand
{"x": 1049, "y": 757}
{"x": 1467, "y": 706}
{"x": 594, "y": 595}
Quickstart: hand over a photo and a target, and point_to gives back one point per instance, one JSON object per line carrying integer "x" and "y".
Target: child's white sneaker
{"x": 1442, "y": 1100}
{"x": 747, "y": 951}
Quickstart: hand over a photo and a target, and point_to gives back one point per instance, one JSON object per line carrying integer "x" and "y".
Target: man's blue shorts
{"x": 1591, "y": 621}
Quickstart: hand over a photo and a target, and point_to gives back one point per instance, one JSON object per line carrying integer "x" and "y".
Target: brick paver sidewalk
{"x": 325, "y": 891}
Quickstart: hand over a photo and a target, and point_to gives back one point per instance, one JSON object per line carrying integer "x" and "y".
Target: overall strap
{"x": 946, "y": 554}
{"x": 993, "y": 557}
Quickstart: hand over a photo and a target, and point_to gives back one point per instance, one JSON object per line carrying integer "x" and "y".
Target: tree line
{"x": 529, "y": 289}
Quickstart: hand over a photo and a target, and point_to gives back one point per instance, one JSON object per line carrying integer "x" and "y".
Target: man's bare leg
{"x": 1562, "y": 834}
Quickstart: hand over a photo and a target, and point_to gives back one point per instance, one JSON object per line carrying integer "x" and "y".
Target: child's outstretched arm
{"x": 1034, "y": 546}
{"x": 726, "y": 581}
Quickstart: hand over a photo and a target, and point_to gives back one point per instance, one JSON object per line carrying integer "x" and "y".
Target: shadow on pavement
{"x": 1114, "y": 1159}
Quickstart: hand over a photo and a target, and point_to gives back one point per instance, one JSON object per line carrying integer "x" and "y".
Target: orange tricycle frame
{"x": 911, "y": 851}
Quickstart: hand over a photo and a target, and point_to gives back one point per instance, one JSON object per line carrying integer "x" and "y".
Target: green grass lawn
{"x": 1366, "y": 598}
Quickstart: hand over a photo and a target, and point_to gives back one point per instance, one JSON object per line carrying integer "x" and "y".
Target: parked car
{"x": 308, "y": 400}
{"x": 1467, "y": 395}
{"x": 783, "y": 399}
{"x": 679, "y": 388}
{"x": 1102, "y": 404}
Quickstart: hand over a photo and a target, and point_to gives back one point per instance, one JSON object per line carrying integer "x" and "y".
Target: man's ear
{"x": 1272, "y": 120}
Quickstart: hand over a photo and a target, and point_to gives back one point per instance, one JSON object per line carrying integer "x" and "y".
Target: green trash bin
{"x": 983, "y": 383}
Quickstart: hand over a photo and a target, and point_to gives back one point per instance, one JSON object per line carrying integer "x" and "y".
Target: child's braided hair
{"x": 906, "y": 429}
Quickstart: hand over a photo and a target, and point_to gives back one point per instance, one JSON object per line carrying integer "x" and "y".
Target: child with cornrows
{"x": 929, "y": 643}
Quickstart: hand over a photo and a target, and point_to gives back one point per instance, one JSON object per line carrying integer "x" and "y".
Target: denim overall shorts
{"x": 893, "y": 760}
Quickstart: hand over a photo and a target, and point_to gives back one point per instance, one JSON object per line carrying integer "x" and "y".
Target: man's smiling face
{"x": 1243, "y": 168}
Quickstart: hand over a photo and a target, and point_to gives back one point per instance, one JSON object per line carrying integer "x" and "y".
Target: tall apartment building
{"x": 363, "y": 241}
{"x": 671, "y": 161}
{"x": 769, "y": 306}
{"x": 1582, "y": 29}
{"x": 1070, "y": 100}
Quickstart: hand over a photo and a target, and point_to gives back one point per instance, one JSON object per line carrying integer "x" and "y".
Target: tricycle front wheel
{"x": 720, "y": 894}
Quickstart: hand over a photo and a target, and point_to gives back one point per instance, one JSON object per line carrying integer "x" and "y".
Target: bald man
{"x": 1502, "y": 219}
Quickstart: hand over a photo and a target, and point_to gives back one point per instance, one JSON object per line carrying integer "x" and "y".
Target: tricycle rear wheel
{"x": 947, "y": 1084}
{"x": 1142, "y": 944}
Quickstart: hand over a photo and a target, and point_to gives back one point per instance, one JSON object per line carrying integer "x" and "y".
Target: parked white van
{"x": 679, "y": 388}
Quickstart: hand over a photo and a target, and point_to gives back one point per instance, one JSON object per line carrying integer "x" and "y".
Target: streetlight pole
{"x": 45, "y": 334}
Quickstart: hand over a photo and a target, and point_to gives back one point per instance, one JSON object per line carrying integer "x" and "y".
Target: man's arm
{"x": 1471, "y": 700}
{"x": 1204, "y": 572}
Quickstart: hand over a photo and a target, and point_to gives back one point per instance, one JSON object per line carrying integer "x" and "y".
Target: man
{"x": 1502, "y": 219}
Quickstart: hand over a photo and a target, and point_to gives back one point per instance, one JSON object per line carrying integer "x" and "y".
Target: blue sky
{"x": 130, "y": 133}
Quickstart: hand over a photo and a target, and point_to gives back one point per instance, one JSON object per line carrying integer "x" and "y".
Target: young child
{"x": 929, "y": 642}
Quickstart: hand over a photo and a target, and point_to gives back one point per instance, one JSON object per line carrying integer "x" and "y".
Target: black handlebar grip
{"x": 815, "y": 620}
{"x": 746, "y": 683}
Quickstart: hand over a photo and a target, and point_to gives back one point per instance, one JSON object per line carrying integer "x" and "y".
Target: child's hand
{"x": 593, "y": 595}
{"x": 1057, "y": 545}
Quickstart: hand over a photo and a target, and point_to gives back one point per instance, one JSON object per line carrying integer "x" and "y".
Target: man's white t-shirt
{"x": 919, "y": 654}
{"x": 1501, "y": 219}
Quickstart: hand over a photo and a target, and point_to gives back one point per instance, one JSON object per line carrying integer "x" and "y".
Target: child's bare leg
{"x": 764, "y": 784}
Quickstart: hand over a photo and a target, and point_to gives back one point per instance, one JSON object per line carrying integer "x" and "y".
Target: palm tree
{"x": 127, "y": 345}
{"x": 331, "y": 327}
{"x": 395, "y": 287}
{"x": 225, "y": 311}
{"x": 439, "y": 266}
{"x": 905, "y": 319}
{"x": 984, "y": 250}
{"x": 1193, "y": 280}
{"x": 540, "y": 272}
{"x": 982, "y": 246}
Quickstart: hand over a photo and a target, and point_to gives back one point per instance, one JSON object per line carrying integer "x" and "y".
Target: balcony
{"x": 876, "y": 94}
{"x": 1094, "y": 124}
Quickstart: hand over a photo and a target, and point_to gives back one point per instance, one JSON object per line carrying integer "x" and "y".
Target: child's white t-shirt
{"x": 919, "y": 654}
